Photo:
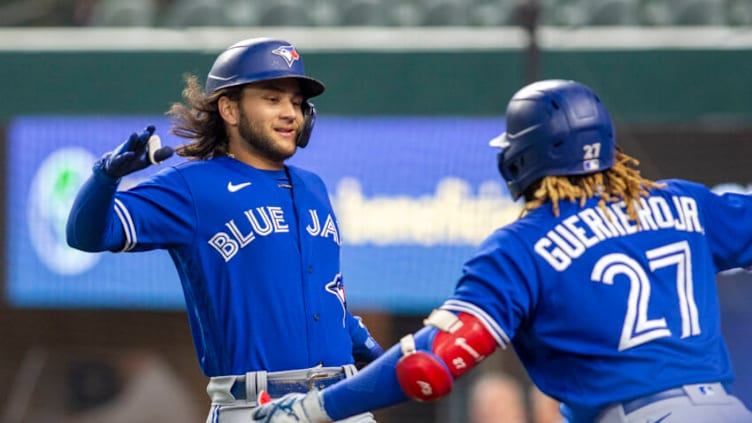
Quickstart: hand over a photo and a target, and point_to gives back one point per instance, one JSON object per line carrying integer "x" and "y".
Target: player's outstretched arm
{"x": 421, "y": 367}
{"x": 91, "y": 225}
{"x": 374, "y": 387}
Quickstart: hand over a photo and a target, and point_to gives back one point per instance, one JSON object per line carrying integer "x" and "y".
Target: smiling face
{"x": 264, "y": 123}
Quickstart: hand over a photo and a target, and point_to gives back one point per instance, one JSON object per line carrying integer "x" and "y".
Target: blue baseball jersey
{"x": 601, "y": 309}
{"x": 258, "y": 255}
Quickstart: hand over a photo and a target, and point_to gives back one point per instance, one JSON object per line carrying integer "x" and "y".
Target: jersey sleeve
{"x": 497, "y": 286}
{"x": 153, "y": 214}
{"x": 91, "y": 224}
{"x": 727, "y": 226}
{"x": 157, "y": 213}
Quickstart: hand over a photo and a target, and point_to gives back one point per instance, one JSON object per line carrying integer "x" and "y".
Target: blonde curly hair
{"x": 622, "y": 181}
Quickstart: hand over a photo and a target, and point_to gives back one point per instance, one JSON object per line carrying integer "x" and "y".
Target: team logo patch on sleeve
{"x": 337, "y": 288}
{"x": 288, "y": 53}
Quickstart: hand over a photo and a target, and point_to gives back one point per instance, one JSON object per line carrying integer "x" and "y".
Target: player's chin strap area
{"x": 433, "y": 359}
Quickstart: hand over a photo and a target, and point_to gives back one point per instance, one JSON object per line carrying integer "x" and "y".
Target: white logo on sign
{"x": 51, "y": 193}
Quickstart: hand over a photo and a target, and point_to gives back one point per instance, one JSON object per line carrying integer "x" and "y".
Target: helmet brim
{"x": 500, "y": 141}
{"x": 310, "y": 87}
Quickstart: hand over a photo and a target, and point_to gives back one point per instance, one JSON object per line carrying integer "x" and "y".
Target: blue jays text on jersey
{"x": 263, "y": 221}
{"x": 257, "y": 253}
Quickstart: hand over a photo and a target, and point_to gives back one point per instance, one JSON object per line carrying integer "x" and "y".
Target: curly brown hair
{"x": 622, "y": 181}
{"x": 197, "y": 118}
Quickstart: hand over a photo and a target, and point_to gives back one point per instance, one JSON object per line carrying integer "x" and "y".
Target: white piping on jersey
{"x": 128, "y": 227}
{"x": 496, "y": 331}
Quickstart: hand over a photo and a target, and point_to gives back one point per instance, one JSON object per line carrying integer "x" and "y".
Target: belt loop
{"x": 254, "y": 383}
{"x": 261, "y": 383}
{"x": 349, "y": 370}
{"x": 220, "y": 388}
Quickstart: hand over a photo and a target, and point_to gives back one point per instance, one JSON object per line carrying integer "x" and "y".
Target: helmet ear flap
{"x": 509, "y": 171}
{"x": 309, "y": 118}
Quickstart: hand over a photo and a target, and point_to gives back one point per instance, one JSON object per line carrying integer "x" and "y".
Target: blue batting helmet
{"x": 260, "y": 59}
{"x": 554, "y": 127}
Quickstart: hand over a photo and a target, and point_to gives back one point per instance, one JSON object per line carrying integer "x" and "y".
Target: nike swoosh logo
{"x": 235, "y": 188}
{"x": 661, "y": 419}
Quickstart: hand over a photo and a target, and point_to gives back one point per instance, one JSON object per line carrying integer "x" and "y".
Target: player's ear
{"x": 229, "y": 110}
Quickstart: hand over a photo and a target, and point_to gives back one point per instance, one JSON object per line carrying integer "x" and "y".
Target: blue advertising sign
{"x": 413, "y": 196}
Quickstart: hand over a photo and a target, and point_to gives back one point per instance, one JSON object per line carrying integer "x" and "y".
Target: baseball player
{"x": 255, "y": 242}
{"x": 605, "y": 286}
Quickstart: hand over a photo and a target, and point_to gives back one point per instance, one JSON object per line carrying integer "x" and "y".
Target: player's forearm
{"x": 423, "y": 366}
{"x": 365, "y": 347}
{"x": 375, "y": 387}
{"x": 91, "y": 225}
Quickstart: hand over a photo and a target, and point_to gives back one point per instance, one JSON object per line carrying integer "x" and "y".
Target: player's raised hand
{"x": 140, "y": 150}
{"x": 293, "y": 408}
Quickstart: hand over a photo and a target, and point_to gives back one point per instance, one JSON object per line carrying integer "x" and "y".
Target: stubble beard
{"x": 262, "y": 143}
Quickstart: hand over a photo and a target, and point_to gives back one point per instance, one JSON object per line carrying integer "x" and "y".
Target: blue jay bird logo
{"x": 337, "y": 288}
{"x": 288, "y": 53}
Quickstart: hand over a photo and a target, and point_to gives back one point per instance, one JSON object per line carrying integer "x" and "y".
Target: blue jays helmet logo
{"x": 337, "y": 288}
{"x": 288, "y": 53}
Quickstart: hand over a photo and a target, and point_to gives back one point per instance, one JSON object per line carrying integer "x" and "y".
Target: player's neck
{"x": 256, "y": 161}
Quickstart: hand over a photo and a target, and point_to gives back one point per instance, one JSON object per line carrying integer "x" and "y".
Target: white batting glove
{"x": 293, "y": 408}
